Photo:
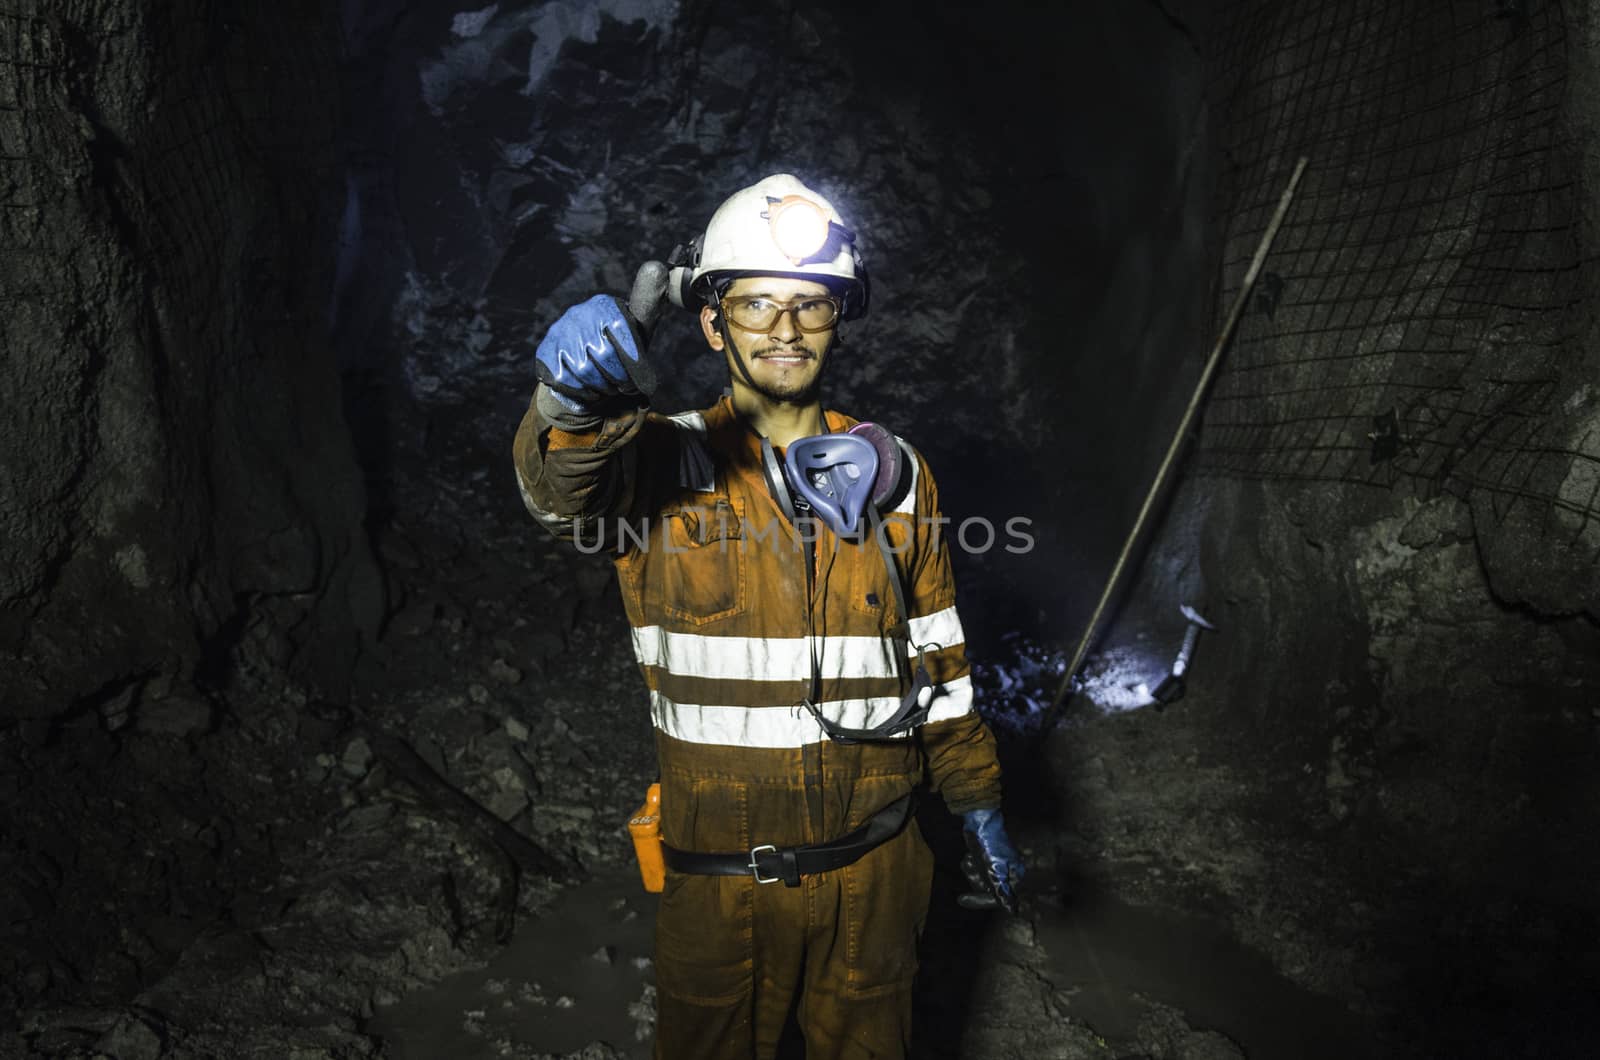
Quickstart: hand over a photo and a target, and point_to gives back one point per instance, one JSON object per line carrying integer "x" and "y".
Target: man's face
{"x": 785, "y": 364}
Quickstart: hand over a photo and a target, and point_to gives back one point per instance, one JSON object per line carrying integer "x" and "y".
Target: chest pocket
{"x": 696, "y": 570}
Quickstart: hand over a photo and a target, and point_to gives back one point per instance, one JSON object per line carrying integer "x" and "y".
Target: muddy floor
{"x": 1108, "y": 973}
{"x": 439, "y": 866}
{"x": 507, "y": 667}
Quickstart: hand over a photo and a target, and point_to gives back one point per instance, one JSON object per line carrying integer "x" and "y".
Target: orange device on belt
{"x": 645, "y": 827}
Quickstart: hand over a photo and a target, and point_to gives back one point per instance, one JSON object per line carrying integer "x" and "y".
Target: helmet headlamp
{"x": 800, "y": 227}
{"x": 776, "y": 227}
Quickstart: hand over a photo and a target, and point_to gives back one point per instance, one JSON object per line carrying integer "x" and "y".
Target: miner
{"x": 793, "y": 615}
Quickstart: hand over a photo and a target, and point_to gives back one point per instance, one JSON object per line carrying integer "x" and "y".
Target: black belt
{"x": 769, "y": 864}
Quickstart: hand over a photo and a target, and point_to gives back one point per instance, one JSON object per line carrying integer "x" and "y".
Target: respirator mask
{"x": 835, "y": 477}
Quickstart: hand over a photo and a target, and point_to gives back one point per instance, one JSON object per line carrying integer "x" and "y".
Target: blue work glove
{"x": 992, "y": 866}
{"x": 592, "y": 356}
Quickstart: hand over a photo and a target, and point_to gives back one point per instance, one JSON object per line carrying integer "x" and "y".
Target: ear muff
{"x": 856, "y": 297}
{"x": 680, "y": 274}
{"x": 893, "y": 469}
{"x": 777, "y": 484}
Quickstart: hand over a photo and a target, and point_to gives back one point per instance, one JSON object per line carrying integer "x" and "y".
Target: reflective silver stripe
{"x": 951, "y": 700}
{"x": 764, "y": 726}
{"x": 696, "y": 469}
{"x": 793, "y": 726}
{"x": 761, "y": 658}
{"x": 559, "y": 525}
{"x": 693, "y": 421}
{"x": 908, "y": 503}
{"x": 942, "y": 628}
{"x": 527, "y": 497}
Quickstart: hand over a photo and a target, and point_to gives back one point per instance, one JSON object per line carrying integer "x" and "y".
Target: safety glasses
{"x": 760, "y": 315}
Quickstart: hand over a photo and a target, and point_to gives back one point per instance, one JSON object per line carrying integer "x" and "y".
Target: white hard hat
{"x": 778, "y": 227}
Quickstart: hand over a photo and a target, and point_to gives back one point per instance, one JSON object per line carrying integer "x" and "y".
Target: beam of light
{"x": 1015, "y": 689}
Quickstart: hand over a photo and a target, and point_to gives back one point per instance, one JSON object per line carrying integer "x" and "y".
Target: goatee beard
{"x": 791, "y": 395}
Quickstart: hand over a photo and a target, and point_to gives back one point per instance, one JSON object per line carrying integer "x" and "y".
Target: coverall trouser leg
{"x": 731, "y": 956}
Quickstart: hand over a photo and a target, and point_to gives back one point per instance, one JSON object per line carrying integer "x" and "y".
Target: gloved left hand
{"x": 993, "y": 867}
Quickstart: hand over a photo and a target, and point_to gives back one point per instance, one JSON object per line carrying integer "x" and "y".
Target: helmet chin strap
{"x": 727, "y": 338}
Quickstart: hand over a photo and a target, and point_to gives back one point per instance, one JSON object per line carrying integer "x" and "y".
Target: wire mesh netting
{"x": 1417, "y": 323}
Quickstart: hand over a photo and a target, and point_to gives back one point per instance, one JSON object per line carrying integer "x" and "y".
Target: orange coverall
{"x": 713, "y": 584}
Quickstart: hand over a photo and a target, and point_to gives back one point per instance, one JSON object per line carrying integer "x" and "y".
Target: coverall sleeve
{"x": 582, "y": 483}
{"x": 960, "y": 748}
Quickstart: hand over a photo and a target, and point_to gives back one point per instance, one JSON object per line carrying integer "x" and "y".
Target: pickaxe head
{"x": 1170, "y": 690}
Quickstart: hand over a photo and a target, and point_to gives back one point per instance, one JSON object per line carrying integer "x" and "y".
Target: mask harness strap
{"x": 915, "y": 704}
{"x": 806, "y": 524}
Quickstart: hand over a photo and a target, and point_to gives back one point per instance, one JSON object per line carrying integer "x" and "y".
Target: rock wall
{"x": 178, "y": 487}
{"x": 1400, "y": 454}
{"x": 1391, "y": 511}
{"x": 181, "y": 514}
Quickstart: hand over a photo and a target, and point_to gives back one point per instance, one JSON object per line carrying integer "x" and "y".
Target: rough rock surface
{"x": 228, "y": 832}
{"x": 180, "y": 510}
{"x": 1031, "y": 281}
{"x": 178, "y": 475}
{"x": 1389, "y": 749}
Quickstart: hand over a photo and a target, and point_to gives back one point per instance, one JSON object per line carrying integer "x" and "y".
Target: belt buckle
{"x": 755, "y": 870}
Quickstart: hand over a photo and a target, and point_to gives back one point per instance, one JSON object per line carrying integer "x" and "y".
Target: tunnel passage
{"x": 1383, "y": 770}
{"x": 1012, "y": 234}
